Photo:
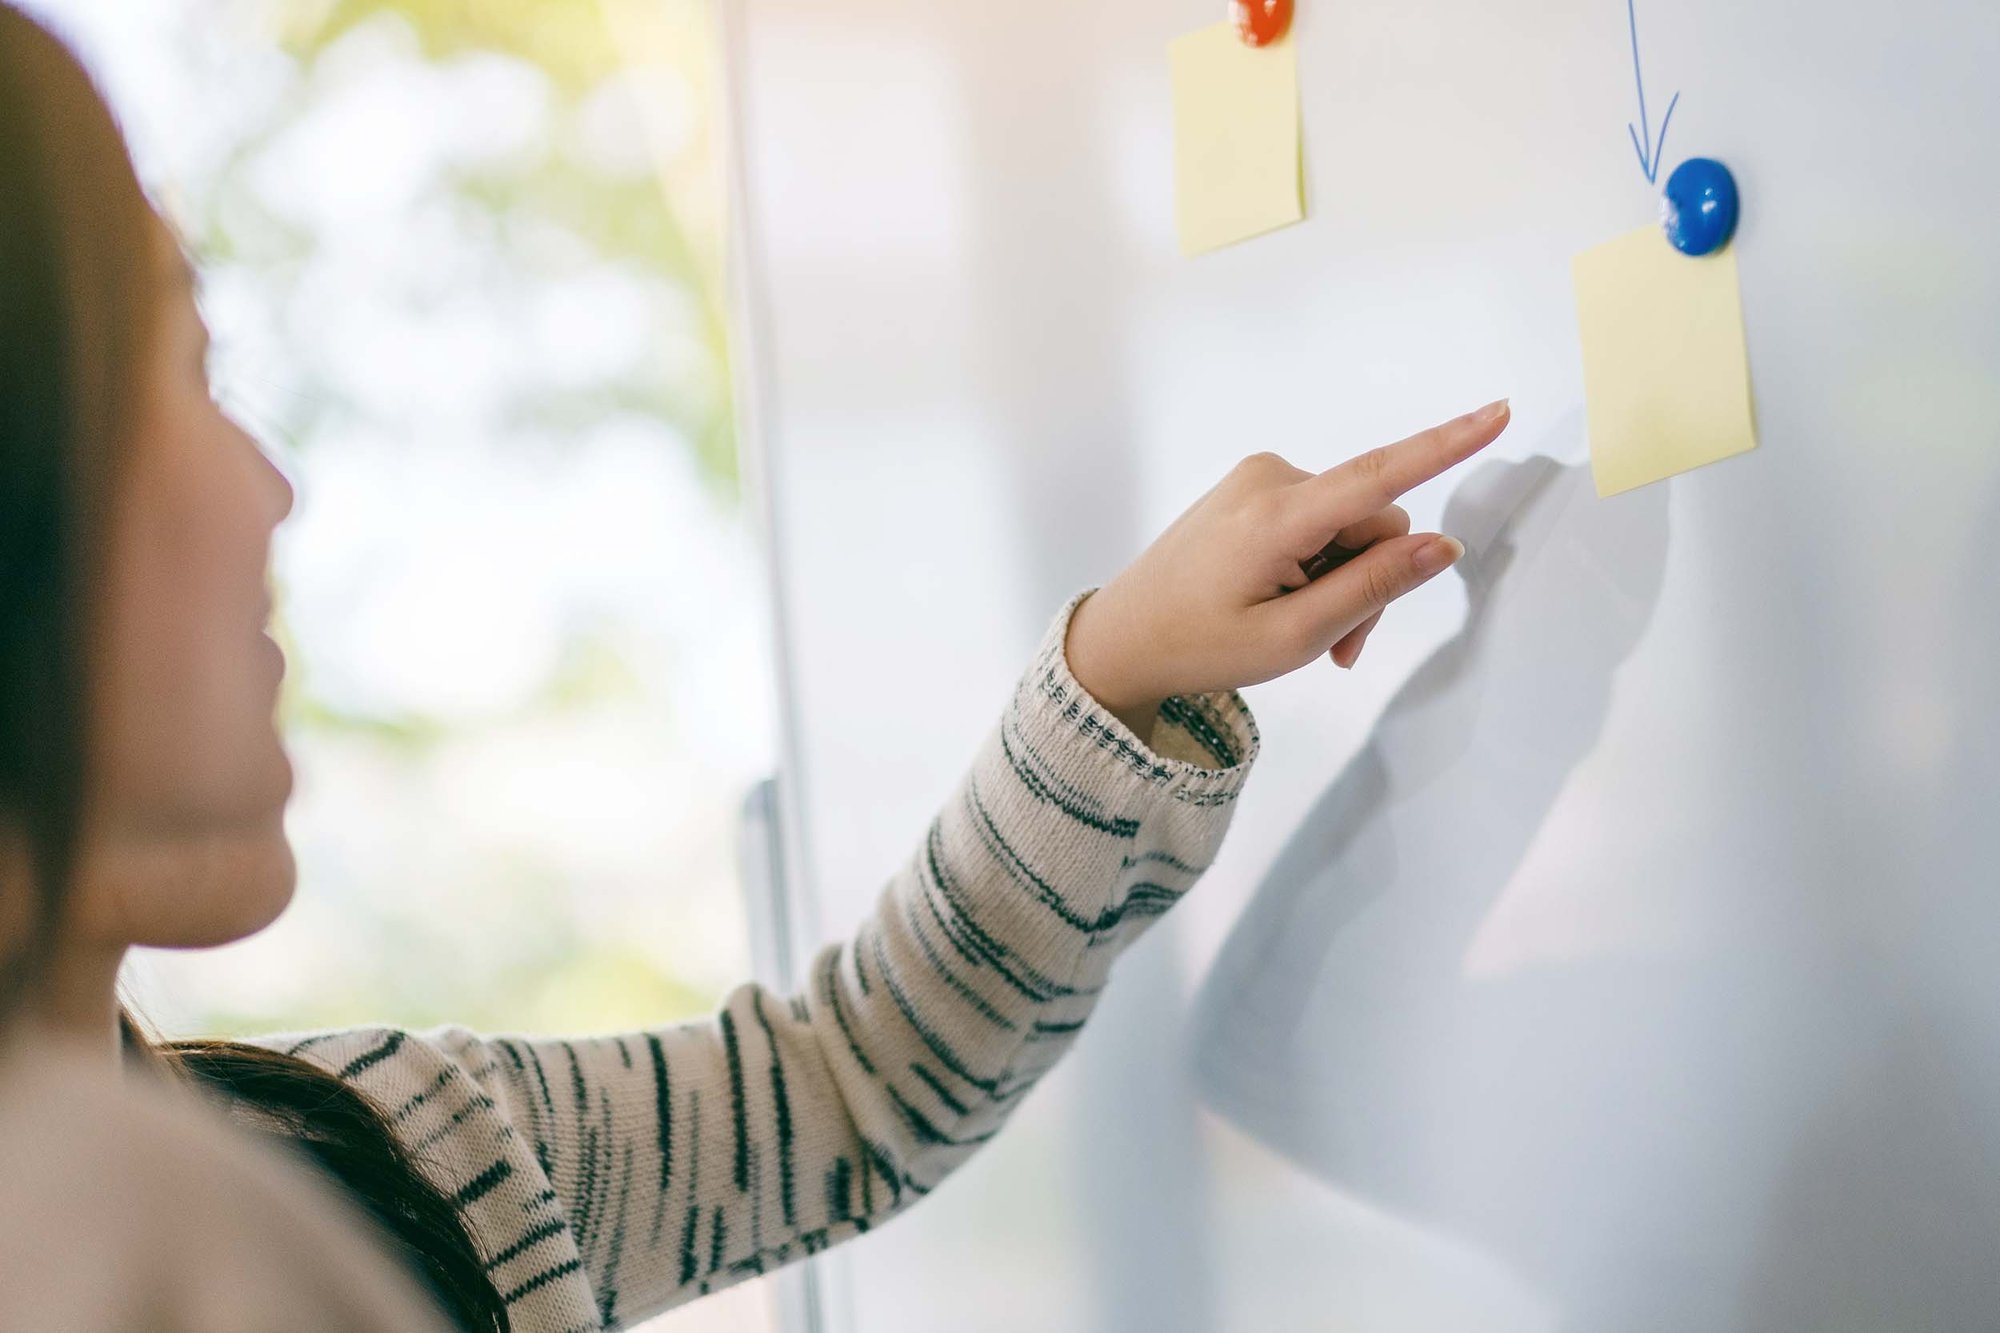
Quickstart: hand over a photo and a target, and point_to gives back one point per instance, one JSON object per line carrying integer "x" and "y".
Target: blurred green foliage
{"x": 375, "y": 938}
{"x": 567, "y": 39}
{"x": 666, "y": 224}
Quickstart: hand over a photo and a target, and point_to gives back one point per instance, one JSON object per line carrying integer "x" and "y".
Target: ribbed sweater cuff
{"x": 1202, "y": 747}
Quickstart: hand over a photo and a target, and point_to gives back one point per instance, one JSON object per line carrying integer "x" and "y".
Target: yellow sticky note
{"x": 1236, "y": 137}
{"x": 1665, "y": 370}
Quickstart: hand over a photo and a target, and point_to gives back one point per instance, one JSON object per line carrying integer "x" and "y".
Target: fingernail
{"x": 1493, "y": 411}
{"x": 1436, "y": 555}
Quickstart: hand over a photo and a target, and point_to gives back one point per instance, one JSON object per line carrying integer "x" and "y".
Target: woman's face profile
{"x": 184, "y": 838}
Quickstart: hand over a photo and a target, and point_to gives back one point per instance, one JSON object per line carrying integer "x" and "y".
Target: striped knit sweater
{"x": 608, "y": 1178}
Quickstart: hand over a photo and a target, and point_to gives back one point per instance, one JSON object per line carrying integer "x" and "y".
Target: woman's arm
{"x": 641, "y": 1170}
{"x": 608, "y": 1178}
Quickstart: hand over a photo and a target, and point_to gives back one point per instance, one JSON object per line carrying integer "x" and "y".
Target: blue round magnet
{"x": 1698, "y": 211}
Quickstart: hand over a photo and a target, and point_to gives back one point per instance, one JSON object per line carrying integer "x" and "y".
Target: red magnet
{"x": 1261, "y": 22}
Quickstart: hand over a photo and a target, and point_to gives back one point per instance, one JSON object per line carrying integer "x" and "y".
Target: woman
{"x": 538, "y": 1184}
{"x": 131, "y": 1209}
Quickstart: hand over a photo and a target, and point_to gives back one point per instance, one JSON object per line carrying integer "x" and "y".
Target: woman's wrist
{"x": 1098, "y": 658}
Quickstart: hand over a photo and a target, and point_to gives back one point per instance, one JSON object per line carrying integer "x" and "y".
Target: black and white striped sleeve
{"x": 608, "y": 1178}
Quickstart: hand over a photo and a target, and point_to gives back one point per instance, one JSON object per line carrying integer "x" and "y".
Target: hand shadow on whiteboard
{"x": 1330, "y": 1022}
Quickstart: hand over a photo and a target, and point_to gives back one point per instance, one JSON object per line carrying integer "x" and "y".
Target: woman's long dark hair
{"x": 338, "y": 1128}
{"x": 78, "y": 299}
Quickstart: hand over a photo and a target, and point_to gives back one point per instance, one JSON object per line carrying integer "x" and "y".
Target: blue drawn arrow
{"x": 1649, "y": 152}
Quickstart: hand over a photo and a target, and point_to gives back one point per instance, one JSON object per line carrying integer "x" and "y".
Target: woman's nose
{"x": 276, "y": 484}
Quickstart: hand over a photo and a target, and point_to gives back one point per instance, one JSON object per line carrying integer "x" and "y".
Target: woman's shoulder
{"x": 498, "y": 1130}
{"x": 384, "y": 1053}
{"x": 130, "y": 1205}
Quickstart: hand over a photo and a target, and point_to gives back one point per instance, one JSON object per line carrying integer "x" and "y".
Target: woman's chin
{"x": 269, "y": 890}
{"x": 260, "y": 884}
{"x": 212, "y": 890}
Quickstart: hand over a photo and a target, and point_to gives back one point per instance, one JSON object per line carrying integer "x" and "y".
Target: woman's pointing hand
{"x": 1272, "y": 568}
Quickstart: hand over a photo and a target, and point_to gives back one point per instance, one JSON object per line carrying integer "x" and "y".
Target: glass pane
{"x": 463, "y": 269}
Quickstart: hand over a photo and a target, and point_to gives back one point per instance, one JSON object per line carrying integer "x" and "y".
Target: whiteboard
{"x": 1618, "y": 947}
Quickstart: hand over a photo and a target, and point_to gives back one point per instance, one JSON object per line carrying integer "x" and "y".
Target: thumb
{"x": 1363, "y": 587}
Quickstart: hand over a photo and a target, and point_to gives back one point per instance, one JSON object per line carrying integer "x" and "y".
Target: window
{"x": 462, "y": 264}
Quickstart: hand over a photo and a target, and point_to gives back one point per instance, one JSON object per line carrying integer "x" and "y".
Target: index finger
{"x": 1372, "y": 481}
